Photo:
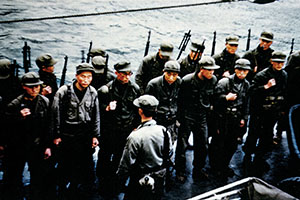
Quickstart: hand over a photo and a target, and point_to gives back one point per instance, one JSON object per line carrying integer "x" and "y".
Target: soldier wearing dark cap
{"x": 226, "y": 59}
{"x": 267, "y": 104}
{"x": 10, "y": 88}
{"x": 261, "y": 55}
{"x": 76, "y": 129}
{"x": 145, "y": 154}
{"x": 28, "y": 139}
{"x": 231, "y": 102}
{"x": 152, "y": 65}
{"x": 190, "y": 62}
{"x": 46, "y": 63}
{"x": 165, "y": 88}
{"x": 194, "y": 101}
{"x": 103, "y": 74}
{"x": 118, "y": 118}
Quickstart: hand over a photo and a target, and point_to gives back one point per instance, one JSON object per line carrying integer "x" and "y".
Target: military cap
{"x": 147, "y": 102}
{"x": 232, "y": 40}
{"x": 4, "y": 68}
{"x": 242, "y": 64}
{"x": 166, "y": 49}
{"x": 207, "y": 62}
{"x": 97, "y": 52}
{"x": 85, "y": 67}
{"x": 278, "y": 56}
{"x": 99, "y": 64}
{"x": 195, "y": 45}
{"x": 31, "y": 79}
{"x": 45, "y": 60}
{"x": 123, "y": 66}
{"x": 172, "y": 66}
{"x": 267, "y": 36}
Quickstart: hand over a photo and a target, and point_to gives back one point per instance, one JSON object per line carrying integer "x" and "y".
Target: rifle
{"x": 88, "y": 54}
{"x": 214, "y": 44}
{"x": 186, "y": 38}
{"x": 292, "y": 46}
{"x": 248, "y": 40}
{"x": 147, "y": 44}
{"x": 63, "y": 74}
{"x": 16, "y": 67}
{"x": 200, "y": 50}
{"x": 26, "y": 57}
{"x": 82, "y": 56}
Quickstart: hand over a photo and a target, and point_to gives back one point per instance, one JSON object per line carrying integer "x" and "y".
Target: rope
{"x": 113, "y": 12}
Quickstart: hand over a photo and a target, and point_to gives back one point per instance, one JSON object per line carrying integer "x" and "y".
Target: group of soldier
{"x": 137, "y": 124}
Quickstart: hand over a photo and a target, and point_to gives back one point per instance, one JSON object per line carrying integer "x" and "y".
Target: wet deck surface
{"x": 280, "y": 168}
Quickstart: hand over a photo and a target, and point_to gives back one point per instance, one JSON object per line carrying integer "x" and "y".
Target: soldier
{"x": 261, "y": 55}
{"x": 119, "y": 118}
{"x": 76, "y": 127}
{"x": 165, "y": 88}
{"x": 103, "y": 74}
{"x": 46, "y": 63}
{"x": 145, "y": 154}
{"x": 226, "y": 59}
{"x": 10, "y": 88}
{"x": 194, "y": 101}
{"x": 153, "y": 65}
{"x": 28, "y": 139}
{"x": 231, "y": 108}
{"x": 267, "y": 104}
{"x": 190, "y": 62}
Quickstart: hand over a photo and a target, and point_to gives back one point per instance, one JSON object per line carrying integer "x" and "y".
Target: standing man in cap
{"x": 231, "y": 107}
{"x": 119, "y": 118}
{"x": 165, "y": 88}
{"x": 226, "y": 59}
{"x": 76, "y": 129}
{"x": 153, "y": 65}
{"x": 267, "y": 104}
{"x": 28, "y": 140}
{"x": 261, "y": 55}
{"x": 103, "y": 74}
{"x": 190, "y": 62}
{"x": 194, "y": 101}
{"x": 10, "y": 88}
{"x": 145, "y": 153}
{"x": 46, "y": 63}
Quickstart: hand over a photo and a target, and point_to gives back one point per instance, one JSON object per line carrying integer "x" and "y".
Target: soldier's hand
{"x": 95, "y": 142}
{"x": 57, "y": 141}
{"x": 46, "y": 90}
{"x": 231, "y": 96}
{"x": 47, "y": 153}
{"x": 112, "y": 106}
{"x": 270, "y": 83}
{"x": 255, "y": 69}
{"x": 226, "y": 74}
{"x": 242, "y": 123}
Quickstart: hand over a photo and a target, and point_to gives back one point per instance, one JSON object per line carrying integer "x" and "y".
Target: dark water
{"x": 124, "y": 35}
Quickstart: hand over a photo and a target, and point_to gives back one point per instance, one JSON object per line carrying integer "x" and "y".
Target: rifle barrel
{"x": 147, "y": 44}
{"x": 88, "y": 54}
{"x": 248, "y": 40}
{"x": 292, "y": 46}
{"x": 185, "y": 40}
{"x": 63, "y": 75}
{"x": 214, "y": 44}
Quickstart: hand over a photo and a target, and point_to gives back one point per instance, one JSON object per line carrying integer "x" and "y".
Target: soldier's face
{"x": 32, "y": 91}
{"x": 49, "y": 69}
{"x": 231, "y": 48}
{"x": 277, "y": 65}
{"x": 123, "y": 77}
{"x": 265, "y": 44}
{"x": 241, "y": 73}
{"x": 207, "y": 73}
{"x": 170, "y": 77}
{"x": 84, "y": 79}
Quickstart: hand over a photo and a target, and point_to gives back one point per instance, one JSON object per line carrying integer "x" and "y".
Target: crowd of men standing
{"x": 137, "y": 123}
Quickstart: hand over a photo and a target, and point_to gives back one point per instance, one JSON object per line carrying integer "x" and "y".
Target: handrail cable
{"x": 112, "y": 12}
